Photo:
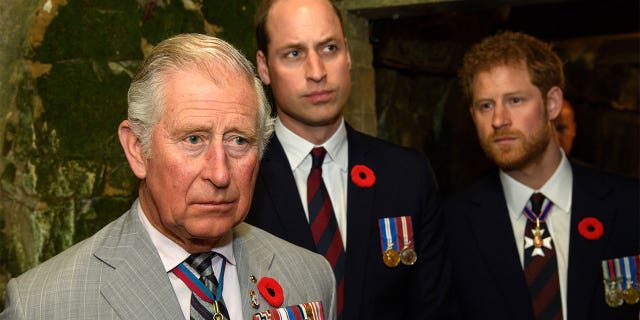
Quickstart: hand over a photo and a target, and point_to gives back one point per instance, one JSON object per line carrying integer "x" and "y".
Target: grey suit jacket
{"x": 118, "y": 274}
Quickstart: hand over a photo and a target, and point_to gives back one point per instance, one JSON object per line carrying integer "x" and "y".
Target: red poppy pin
{"x": 271, "y": 290}
{"x": 362, "y": 176}
{"x": 590, "y": 228}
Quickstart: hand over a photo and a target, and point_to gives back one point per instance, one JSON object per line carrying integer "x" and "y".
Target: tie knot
{"x": 536, "y": 202}
{"x": 201, "y": 262}
{"x": 317, "y": 155}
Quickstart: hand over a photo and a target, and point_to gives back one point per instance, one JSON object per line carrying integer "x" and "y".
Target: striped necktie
{"x": 324, "y": 227}
{"x": 540, "y": 266}
{"x": 200, "y": 309}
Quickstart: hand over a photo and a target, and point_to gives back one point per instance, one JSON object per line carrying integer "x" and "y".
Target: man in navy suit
{"x": 384, "y": 197}
{"x": 499, "y": 242}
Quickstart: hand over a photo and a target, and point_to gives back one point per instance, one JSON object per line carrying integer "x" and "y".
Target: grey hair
{"x": 207, "y": 53}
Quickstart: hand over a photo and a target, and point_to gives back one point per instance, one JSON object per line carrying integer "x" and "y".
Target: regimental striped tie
{"x": 324, "y": 227}
{"x": 200, "y": 309}
{"x": 540, "y": 266}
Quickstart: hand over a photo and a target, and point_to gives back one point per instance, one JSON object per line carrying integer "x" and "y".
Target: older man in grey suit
{"x": 197, "y": 126}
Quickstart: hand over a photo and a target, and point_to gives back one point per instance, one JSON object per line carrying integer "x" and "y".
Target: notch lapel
{"x": 589, "y": 200}
{"x": 360, "y": 204}
{"x": 491, "y": 225}
{"x": 252, "y": 259}
{"x": 281, "y": 188}
{"x": 135, "y": 283}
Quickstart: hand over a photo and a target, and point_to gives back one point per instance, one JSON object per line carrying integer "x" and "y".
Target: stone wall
{"x": 65, "y": 67}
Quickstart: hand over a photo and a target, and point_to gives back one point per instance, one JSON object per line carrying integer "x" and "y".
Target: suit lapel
{"x": 135, "y": 283}
{"x": 360, "y": 218}
{"x": 589, "y": 200}
{"x": 252, "y": 259}
{"x": 281, "y": 187}
{"x": 491, "y": 225}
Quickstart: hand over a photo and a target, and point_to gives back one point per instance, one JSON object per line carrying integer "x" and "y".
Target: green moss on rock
{"x": 97, "y": 213}
{"x": 236, "y": 19}
{"x": 84, "y": 102}
{"x": 8, "y": 176}
{"x": 67, "y": 178}
{"x": 56, "y": 225}
{"x": 106, "y": 29}
{"x": 9, "y": 138}
{"x": 160, "y": 23}
{"x": 119, "y": 180}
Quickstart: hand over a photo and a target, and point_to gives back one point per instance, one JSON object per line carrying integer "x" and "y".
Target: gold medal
{"x": 217, "y": 315}
{"x": 537, "y": 239}
{"x": 537, "y": 235}
{"x": 308, "y": 311}
{"x": 612, "y": 295}
{"x": 391, "y": 258}
{"x": 613, "y": 299}
{"x": 408, "y": 256}
{"x": 631, "y": 295}
{"x": 255, "y": 303}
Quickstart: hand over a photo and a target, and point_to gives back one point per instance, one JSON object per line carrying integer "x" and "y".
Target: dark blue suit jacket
{"x": 487, "y": 274}
{"x": 404, "y": 186}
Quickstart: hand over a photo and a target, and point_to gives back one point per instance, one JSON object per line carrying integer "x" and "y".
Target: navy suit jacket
{"x": 487, "y": 274}
{"x": 404, "y": 186}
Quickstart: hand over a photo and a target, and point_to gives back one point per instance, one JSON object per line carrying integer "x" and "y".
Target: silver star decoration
{"x": 546, "y": 242}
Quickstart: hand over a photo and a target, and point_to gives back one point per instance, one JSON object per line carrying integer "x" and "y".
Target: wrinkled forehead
{"x": 197, "y": 85}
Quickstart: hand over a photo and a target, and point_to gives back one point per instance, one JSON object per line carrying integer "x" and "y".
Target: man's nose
{"x": 314, "y": 67}
{"x": 501, "y": 116}
{"x": 216, "y": 167}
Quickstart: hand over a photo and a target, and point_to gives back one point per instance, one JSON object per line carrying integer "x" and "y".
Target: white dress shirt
{"x": 334, "y": 168}
{"x": 558, "y": 189}
{"x": 173, "y": 255}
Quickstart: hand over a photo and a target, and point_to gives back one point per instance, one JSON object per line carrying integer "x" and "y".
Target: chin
{"x": 212, "y": 228}
{"x": 510, "y": 163}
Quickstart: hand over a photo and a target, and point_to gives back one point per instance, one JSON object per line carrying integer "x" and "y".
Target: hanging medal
{"x": 630, "y": 294}
{"x": 408, "y": 254}
{"x": 198, "y": 288}
{"x": 538, "y": 241}
{"x": 611, "y": 282}
{"x": 389, "y": 245}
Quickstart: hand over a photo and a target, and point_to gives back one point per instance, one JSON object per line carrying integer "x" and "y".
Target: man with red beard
{"x": 541, "y": 237}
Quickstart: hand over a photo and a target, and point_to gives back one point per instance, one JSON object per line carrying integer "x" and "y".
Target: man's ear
{"x": 132, "y": 149}
{"x": 555, "y": 98}
{"x": 348, "y": 55}
{"x": 263, "y": 67}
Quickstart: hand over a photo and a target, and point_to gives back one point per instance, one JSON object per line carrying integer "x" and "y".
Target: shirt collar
{"x": 558, "y": 189}
{"x": 171, "y": 254}
{"x": 297, "y": 148}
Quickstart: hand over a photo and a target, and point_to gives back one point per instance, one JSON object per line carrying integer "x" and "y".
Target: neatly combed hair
{"x": 260, "y": 23}
{"x": 205, "y": 53}
{"x": 513, "y": 48}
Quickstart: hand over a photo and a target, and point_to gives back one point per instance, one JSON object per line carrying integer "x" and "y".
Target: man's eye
{"x": 516, "y": 100}
{"x": 293, "y": 54}
{"x": 331, "y": 48}
{"x": 193, "y": 139}
{"x": 485, "y": 106}
{"x": 240, "y": 140}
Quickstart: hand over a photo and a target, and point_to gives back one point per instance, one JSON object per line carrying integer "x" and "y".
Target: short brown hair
{"x": 260, "y": 22}
{"x": 511, "y": 48}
